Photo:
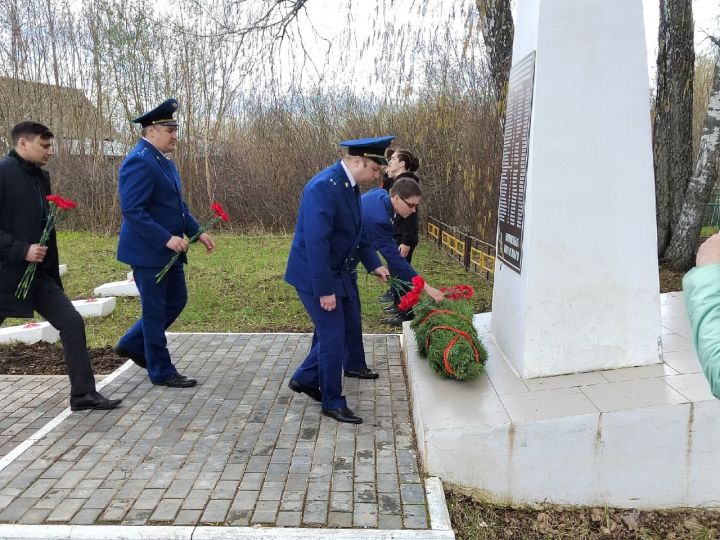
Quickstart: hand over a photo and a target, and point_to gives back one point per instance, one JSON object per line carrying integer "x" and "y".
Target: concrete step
{"x": 29, "y": 333}
{"x": 117, "y": 288}
{"x": 95, "y": 307}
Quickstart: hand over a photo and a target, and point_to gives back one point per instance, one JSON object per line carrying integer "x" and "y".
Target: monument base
{"x": 639, "y": 437}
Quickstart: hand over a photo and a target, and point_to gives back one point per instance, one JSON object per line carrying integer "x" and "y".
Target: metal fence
{"x": 712, "y": 215}
{"x": 474, "y": 254}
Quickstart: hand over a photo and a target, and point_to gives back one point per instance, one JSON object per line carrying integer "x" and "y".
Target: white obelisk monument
{"x": 576, "y": 280}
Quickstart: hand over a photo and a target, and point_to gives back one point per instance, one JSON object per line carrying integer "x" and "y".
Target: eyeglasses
{"x": 412, "y": 206}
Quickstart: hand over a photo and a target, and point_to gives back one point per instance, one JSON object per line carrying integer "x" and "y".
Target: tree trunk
{"x": 497, "y": 27}
{"x": 672, "y": 130}
{"x": 680, "y": 253}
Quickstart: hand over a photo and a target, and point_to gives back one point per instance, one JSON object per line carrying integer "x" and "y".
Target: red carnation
{"x": 56, "y": 199}
{"x": 66, "y": 204}
{"x": 418, "y": 283}
{"x": 219, "y": 211}
{"x": 219, "y": 215}
{"x": 58, "y": 212}
{"x": 409, "y": 300}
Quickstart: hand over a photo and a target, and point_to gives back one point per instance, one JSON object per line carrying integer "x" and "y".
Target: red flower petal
{"x": 418, "y": 283}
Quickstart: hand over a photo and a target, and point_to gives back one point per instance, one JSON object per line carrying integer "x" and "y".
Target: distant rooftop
{"x": 66, "y": 111}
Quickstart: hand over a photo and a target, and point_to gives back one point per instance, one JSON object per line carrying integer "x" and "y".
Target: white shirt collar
{"x": 155, "y": 147}
{"x": 349, "y": 175}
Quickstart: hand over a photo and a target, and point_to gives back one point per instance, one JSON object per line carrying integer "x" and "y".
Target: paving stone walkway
{"x": 239, "y": 449}
{"x": 28, "y": 402}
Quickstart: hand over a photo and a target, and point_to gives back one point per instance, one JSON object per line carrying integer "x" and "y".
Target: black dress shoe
{"x": 343, "y": 414}
{"x": 386, "y": 298}
{"x": 364, "y": 373}
{"x": 139, "y": 359}
{"x": 93, "y": 401}
{"x": 390, "y": 310}
{"x": 177, "y": 381}
{"x": 396, "y": 320}
{"x": 298, "y": 387}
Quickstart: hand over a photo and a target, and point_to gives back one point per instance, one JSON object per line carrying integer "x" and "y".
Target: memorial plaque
{"x": 514, "y": 163}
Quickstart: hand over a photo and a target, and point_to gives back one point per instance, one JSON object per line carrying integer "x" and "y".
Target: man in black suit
{"x": 23, "y": 212}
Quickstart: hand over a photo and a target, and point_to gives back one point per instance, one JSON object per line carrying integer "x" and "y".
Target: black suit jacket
{"x": 23, "y": 209}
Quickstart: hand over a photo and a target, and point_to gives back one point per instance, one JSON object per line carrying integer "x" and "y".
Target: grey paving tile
{"x": 64, "y": 512}
{"x": 389, "y": 522}
{"x": 36, "y": 516}
{"x": 116, "y": 510}
{"x": 17, "y": 508}
{"x": 252, "y": 481}
{"x": 166, "y": 510}
{"x": 265, "y": 512}
{"x": 412, "y": 493}
{"x": 245, "y": 500}
{"x": 340, "y": 520}
{"x": 85, "y": 516}
{"x": 315, "y": 513}
{"x": 148, "y": 499}
{"x": 136, "y": 516}
{"x": 415, "y": 516}
{"x": 365, "y": 515}
{"x": 188, "y": 517}
{"x": 215, "y": 512}
{"x": 288, "y": 519}
{"x": 341, "y": 501}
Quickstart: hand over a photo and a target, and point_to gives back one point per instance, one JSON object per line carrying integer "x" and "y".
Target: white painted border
{"x": 52, "y": 424}
{"x": 259, "y": 334}
{"x": 149, "y": 532}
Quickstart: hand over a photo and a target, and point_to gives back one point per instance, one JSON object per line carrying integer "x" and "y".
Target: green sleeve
{"x": 701, "y": 287}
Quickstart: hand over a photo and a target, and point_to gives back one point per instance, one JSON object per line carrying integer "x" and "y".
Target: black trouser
{"x": 409, "y": 255}
{"x": 52, "y": 303}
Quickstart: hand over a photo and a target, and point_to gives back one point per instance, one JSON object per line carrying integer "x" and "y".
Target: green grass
{"x": 239, "y": 288}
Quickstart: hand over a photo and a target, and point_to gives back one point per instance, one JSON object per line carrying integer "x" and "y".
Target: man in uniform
{"x": 327, "y": 245}
{"x": 155, "y": 219}
{"x": 23, "y": 212}
{"x": 379, "y": 210}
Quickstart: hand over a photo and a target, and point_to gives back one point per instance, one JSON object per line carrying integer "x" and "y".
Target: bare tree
{"x": 672, "y": 130}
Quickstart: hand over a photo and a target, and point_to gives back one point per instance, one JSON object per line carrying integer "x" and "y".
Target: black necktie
{"x": 356, "y": 189}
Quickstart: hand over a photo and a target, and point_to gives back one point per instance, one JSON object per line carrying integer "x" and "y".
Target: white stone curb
{"x": 437, "y": 505}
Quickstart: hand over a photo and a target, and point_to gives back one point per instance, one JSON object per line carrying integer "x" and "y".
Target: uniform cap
{"x": 370, "y": 147}
{"x": 161, "y": 115}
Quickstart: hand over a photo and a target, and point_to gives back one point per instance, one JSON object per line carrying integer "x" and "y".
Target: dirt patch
{"x": 670, "y": 280}
{"x": 473, "y": 519}
{"x": 43, "y": 358}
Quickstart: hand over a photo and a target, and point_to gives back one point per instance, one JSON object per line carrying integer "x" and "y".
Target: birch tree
{"x": 496, "y": 24}
{"x": 680, "y": 254}
{"x": 672, "y": 129}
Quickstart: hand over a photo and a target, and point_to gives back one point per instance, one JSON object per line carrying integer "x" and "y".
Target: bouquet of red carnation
{"x": 446, "y": 335}
{"x": 412, "y": 297}
{"x": 58, "y": 212}
{"x": 220, "y": 215}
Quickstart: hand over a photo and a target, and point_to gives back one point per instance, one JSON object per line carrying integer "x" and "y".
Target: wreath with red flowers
{"x": 445, "y": 333}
